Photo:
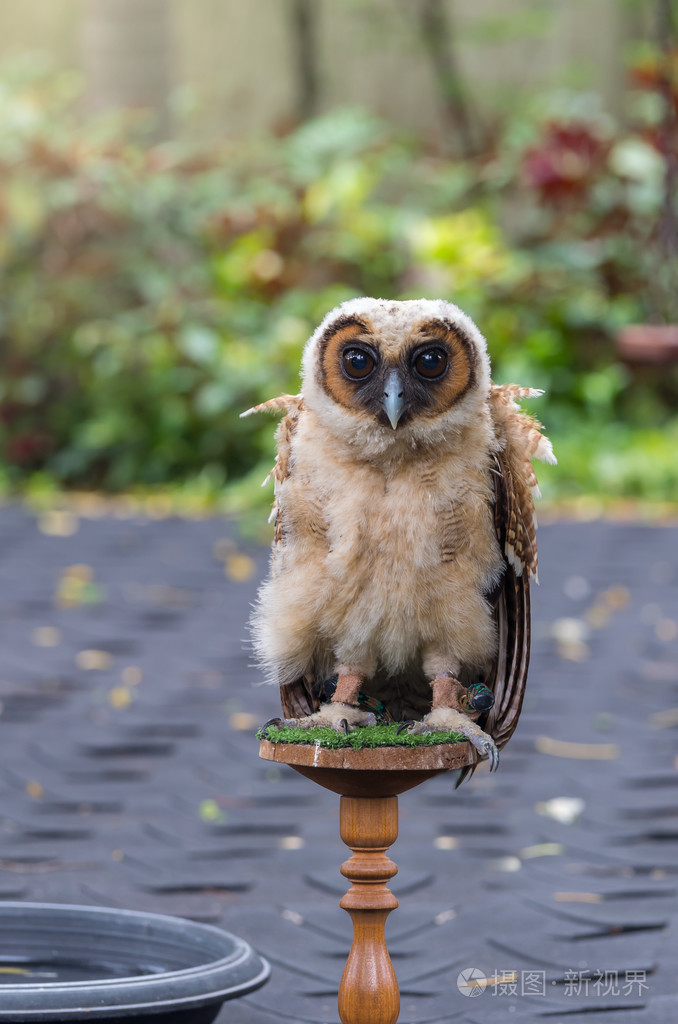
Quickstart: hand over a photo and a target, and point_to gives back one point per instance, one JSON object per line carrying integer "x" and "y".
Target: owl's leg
{"x": 452, "y": 709}
{"x": 342, "y": 708}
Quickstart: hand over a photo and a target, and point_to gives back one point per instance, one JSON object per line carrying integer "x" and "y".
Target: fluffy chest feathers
{"x": 406, "y": 501}
{"x": 398, "y": 550}
{"x": 402, "y": 521}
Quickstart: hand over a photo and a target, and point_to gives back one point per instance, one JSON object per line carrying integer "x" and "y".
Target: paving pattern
{"x": 129, "y": 777}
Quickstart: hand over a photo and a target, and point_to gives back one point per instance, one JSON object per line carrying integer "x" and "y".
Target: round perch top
{"x": 372, "y": 771}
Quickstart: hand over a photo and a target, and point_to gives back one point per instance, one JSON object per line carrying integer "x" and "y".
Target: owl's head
{"x": 385, "y": 374}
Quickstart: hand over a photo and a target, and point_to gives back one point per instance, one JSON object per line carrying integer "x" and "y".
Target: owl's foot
{"x": 333, "y": 716}
{"x": 449, "y": 720}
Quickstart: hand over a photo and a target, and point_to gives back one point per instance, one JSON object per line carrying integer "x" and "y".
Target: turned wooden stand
{"x": 369, "y": 782}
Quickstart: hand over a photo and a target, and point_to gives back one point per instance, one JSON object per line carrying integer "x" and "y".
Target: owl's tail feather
{"x": 290, "y": 404}
{"x": 298, "y": 699}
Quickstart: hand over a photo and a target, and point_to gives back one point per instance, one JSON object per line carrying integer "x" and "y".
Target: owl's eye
{"x": 431, "y": 363}
{"x": 358, "y": 363}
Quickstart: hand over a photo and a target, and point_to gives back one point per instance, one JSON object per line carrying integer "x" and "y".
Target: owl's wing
{"x": 291, "y": 405}
{"x": 519, "y": 439}
{"x": 283, "y": 403}
{"x": 511, "y": 605}
{"x": 298, "y": 699}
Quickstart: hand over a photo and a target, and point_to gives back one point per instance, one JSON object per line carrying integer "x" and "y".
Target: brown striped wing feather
{"x": 511, "y": 605}
{"x": 512, "y": 615}
{"x": 519, "y": 441}
{"x": 298, "y": 699}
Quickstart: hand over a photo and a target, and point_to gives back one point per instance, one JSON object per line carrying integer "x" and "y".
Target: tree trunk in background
{"x": 126, "y": 57}
{"x": 439, "y": 44}
{"x": 667, "y": 41}
{"x": 303, "y": 23}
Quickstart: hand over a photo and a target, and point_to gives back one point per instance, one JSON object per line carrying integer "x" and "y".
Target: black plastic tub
{"x": 65, "y": 964}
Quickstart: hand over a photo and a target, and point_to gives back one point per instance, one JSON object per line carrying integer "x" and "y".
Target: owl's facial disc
{"x": 398, "y": 380}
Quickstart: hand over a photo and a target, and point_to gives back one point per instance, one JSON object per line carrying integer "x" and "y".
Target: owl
{"x": 404, "y": 529}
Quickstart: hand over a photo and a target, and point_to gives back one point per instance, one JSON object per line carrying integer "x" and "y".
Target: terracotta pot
{"x": 648, "y": 344}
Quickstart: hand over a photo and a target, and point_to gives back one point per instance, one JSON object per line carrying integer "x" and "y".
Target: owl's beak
{"x": 393, "y": 403}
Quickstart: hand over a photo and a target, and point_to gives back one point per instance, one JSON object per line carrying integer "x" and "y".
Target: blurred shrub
{"x": 151, "y": 293}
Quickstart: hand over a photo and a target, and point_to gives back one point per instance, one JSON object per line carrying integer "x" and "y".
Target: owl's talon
{"x": 486, "y": 747}
{"x": 418, "y": 728}
{"x": 333, "y": 715}
{"x": 264, "y": 728}
{"x": 445, "y": 719}
{"x": 405, "y": 725}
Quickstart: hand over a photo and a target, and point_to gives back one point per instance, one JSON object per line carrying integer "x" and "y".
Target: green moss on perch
{"x": 372, "y": 736}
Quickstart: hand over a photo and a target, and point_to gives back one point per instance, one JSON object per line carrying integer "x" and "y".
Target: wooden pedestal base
{"x": 369, "y": 782}
{"x": 369, "y": 992}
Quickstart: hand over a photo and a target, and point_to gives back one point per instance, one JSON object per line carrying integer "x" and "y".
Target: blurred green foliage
{"x": 149, "y": 293}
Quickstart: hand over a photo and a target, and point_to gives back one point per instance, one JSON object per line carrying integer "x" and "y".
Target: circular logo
{"x": 471, "y": 982}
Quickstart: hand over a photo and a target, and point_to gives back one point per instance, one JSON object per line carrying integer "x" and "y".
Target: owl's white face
{"x": 388, "y": 375}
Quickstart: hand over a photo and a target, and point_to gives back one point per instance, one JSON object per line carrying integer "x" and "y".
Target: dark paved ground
{"x": 129, "y": 777}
